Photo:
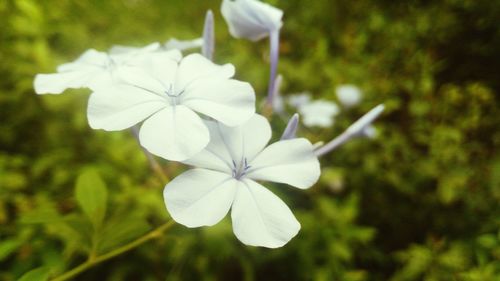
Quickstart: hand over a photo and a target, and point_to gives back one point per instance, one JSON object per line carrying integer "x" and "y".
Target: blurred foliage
{"x": 418, "y": 203}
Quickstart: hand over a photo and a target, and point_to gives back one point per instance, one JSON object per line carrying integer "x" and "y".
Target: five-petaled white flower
{"x": 251, "y": 19}
{"x": 348, "y": 95}
{"x": 225, "y": 178}
{"x": 91, "y": 69}
{"x": 166, "y": 91}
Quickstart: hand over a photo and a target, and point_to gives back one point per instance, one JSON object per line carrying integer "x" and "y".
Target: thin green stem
{"x": 93, "y": 261}
{"x": 155, "y": 166}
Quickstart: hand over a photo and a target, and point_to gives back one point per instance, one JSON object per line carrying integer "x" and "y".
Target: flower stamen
{"x": 240, "y": 170}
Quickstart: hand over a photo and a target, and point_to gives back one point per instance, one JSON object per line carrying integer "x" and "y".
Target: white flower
{"x": 369, "y": 131}
{"x": 92, "y": 68}
{"x": 348, "y": 95}
{"x": 319, "y": 113}
{"x": 117, "y": 50}
{"x": 298, "y": 100}
{"x": 182, "y": 45}
{"x": 251, "y": 19}
{"x": 226, "y": 176}
{"x": 166, "y": 92}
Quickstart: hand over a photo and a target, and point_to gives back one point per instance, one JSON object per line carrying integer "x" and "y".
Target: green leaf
{"x": 37, "y": 274}
{"x": 45, "y": 215}
{"x": 91, "y": 195}
{"x": 120, "y": 231}
{"x": 8, "y": 246}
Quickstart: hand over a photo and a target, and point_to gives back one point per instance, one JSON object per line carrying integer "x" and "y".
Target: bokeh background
{"x": 420, "y": 202}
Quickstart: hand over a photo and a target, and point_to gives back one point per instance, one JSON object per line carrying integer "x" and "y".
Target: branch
{"x": 93, "y": 261}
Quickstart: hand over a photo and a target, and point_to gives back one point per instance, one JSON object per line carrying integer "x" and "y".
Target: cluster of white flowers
{"x": 192, "y": 111}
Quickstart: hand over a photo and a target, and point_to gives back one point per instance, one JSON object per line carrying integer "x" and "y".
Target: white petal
{"x": 319, "y": 113}
{"x": 260, "y": 218}
{"x": 215, "y": 156}
{"x": 266, "y": 14}
{"x": 182, "y": 45}
{"x": 348, "y": 95}
{"x": 199, "y": 197}
{"x": 226, "y": 100}
{"x": 299, "y": 100}
{"x": 196, "y": 66}
{"x": 156, "y": 72}
{"x": 174, "y": 133}
{"x": 251, "y": 19}
{"x": 120, "y": 49}
{"x": 248, "y": 139}
{"x": 228, "y": 144}
{"x": 90, "y": 57}
{"x": 117, "y": 107}
{"x": 57, "y": 83}
{"x": 288, "y": 161}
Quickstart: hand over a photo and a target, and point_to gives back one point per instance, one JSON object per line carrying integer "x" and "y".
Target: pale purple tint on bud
{"x": 208, "y": 36}
{"x": 366, "y": 120}
{"x": 355, "y": 130}
{"x": 274, "y": 41}
{"x": 291, "y": 128}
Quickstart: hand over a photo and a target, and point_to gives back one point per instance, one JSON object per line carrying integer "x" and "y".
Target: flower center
{"x": 110, "y": 64}
{"x": 240, "y": 170}
{"x": 173, "y": 97}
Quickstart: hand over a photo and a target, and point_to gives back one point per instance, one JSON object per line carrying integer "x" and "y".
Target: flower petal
{"x": 91, "y": 57}
{"x": 199, "y": 197}
{"x": 248, "y": 139}
{"x": 232, "y": 143}
{"x": 174, "y": 133}
{"x": 56, "y": 83}
{"x": 319, "y": 113}
{"x": 196, "y": 66}
{"x": 129, "y": 50}
{"x": 288, "y": 161}
{"x": 261, "y": 218}
{"x": 155, "y": 72}
{"x": 116, "y": 107}
{"x": 215, "y": 155}
{"x": 229, "y": 101}
{"x": 182, "y": 45}
{"x": 251, "y": 19}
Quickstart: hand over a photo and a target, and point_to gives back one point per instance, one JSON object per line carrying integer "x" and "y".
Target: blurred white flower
{"x": 298, "y": 100}
{"x": 319, "y": 113}
{"x": 348, "y": 95}
{"x": 92, "y": 68}
{"x": 251, "y": 19}
{"x": 183, "y": 45}
{"x": 166, "y": 91}
{"x": 226, "y": 176}
{"x": 369, "y": 132}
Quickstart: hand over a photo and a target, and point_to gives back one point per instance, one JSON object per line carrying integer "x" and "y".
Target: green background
{"x": 420, "y": 202}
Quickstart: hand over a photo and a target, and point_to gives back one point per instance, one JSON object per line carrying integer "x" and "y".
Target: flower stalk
{"x": 274, "y": 41}
{"x": 155, "y": 166}
{"x": 95, "y": 260}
